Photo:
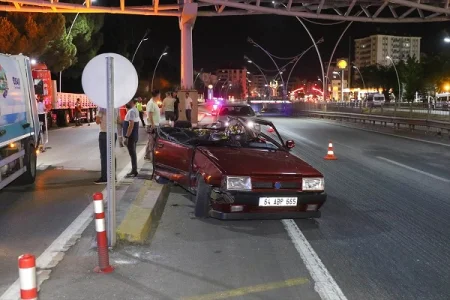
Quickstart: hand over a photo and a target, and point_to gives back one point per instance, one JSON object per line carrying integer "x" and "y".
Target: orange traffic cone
{"x": 330, "y": 154}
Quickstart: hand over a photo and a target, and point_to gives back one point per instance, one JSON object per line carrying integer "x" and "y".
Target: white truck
{"x": 19, "y": 123}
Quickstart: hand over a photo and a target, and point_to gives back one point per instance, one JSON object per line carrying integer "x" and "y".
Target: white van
{"x": 375, "y": 99}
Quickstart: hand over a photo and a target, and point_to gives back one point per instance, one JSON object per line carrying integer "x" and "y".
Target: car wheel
{"x": 202, "y": 198}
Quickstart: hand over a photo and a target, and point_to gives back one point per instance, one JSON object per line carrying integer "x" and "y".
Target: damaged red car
{"x": 243, "y": 170}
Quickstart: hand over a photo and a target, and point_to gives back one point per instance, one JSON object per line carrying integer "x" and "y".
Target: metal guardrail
{"x": 384, "y": 120}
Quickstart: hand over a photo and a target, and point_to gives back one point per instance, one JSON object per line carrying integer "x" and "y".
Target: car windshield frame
{"x": 188, "y": 137}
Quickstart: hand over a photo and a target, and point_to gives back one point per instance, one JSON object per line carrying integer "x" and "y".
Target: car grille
{"x": 271, "y": 185}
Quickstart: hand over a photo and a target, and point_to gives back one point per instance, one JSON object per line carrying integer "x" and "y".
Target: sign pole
{"x": 111, "y": 157}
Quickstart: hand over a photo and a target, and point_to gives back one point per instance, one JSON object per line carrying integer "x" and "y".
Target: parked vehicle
{"x": 235, "y": 110}
{"x": 61, "y": 105}
{"x": 441, "y": 102}
{"x": 241, "y": 171}
{"x": 19, "y": 123}
{"x": 375, "y": 100}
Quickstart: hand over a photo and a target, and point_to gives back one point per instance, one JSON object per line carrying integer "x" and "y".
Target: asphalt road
{"x": 32, "y": 217}
{"x": 384, "y": 234}
{"x": 385, "y": 230}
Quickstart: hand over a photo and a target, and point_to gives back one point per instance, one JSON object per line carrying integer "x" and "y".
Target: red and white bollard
{"x": 102, "y": 239}
{"x": 27, "y": 277}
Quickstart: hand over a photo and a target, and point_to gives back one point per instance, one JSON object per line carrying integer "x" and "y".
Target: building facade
{"x": 234, "y": 79}
{"x": 374, "y": 49}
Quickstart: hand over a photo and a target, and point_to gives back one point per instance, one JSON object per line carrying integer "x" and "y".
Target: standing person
{"x": 175, "y": 104}
{"x": 41, "y": 113}
{"x": 100, "y": 119}
{"x": 168, "y": 107}
{"x": 131, "y": 135}
{"x": 188, "y": 102}
{"x": 140, "y": 110}
{"x": 78, "y": 112}
{"x": 153, "y": 119}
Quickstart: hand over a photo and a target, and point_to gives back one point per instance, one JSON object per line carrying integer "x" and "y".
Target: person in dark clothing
{"x": 131, "y": 135}
{"x": 177, "y": 102}
{"x": 78, "y": 113}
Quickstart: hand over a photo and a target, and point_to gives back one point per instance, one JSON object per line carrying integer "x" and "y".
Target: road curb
{"x": 143, "y": 213}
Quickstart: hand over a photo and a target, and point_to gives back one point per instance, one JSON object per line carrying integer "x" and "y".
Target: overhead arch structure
{"x": 378, "y": 11}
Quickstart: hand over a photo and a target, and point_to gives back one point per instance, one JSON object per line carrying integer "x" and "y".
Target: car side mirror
{"x": 290, "y": 144}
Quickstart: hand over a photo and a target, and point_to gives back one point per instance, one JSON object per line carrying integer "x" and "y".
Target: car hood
{"x": 247, "y": 161}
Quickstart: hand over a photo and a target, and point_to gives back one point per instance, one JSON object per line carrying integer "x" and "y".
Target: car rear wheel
{"x": 202, "y": 198}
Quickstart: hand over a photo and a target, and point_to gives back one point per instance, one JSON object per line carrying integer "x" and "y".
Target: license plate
{"x": 278, "y": 201}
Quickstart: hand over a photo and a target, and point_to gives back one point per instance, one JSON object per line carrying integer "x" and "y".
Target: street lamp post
{"x": 68, "y": 34}
{"x": 447, "y": 90}
{"x": 154, "y": 71}
{"x": 342, "y": 82}
{"x": 359, "y": 72}
{"x": 271, "y": 58}
{"x": 398, "y": 79}
{"x": 144, "y": 38}
{"x": 198, "y": 74}
{"x": 259, "y": 68}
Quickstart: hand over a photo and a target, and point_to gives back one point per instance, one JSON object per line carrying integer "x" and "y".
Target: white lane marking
{"x": 55, "y": 252}
{"x": 325, "y": 285}
{"x": 413, "y": 169}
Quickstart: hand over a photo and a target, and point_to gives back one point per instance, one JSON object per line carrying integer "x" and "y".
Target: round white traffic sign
{"x": 94, "y": 80}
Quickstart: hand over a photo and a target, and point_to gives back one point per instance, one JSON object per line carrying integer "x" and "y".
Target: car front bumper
{"x": 252, "y": 210}
{"x": 264, "y": 215}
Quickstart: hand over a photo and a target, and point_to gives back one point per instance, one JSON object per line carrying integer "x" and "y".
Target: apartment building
{"x": 374, "y": 49}
{"x": 234, "y": 77}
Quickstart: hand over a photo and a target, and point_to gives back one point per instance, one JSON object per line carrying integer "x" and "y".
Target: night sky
{"x": 222, "y": 41}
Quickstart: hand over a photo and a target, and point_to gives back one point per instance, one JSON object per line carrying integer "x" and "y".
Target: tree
{"x": 87, "y": 38}
{"x": 60, "y": 54}
{"x": 411, "y": 75}
{"x": 29, "y": 33}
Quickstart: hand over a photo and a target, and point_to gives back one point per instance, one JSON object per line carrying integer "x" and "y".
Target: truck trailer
{"x": 19, "y": 123}
{"x": 61, "y": 105}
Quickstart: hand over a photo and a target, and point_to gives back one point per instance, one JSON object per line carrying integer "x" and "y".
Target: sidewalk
{"x": 188, "y": 259}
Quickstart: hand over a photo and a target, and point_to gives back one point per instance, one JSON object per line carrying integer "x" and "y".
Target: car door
{"x": 172, "y": 160}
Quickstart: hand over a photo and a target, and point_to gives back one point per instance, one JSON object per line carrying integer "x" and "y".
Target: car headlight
{"x": 234, "y": 183}
{"x": 313, "y": 184}
{"x": 250, "y": 124}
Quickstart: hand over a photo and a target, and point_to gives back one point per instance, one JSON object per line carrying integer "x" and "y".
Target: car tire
{"x": 202, "y": 198}
{"x": 30, "y": 160}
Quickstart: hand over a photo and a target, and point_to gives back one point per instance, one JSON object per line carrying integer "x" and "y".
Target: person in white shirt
{"x": 41, "y": 113}
{"x": 131, "y": 135}
{"x": 153, "y": 120}
{"x": 188, "y": 103}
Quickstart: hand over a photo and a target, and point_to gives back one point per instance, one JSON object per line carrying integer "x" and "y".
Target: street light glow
{"x": 447, "y": 39}
{"x": 388, "y": 57}
{"x": 249, "y": 61}
{"x": 165, "y": 53}
{"x": 33, "y": 61}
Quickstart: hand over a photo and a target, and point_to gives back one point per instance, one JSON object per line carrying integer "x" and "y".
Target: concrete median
{"x": 143, "y": 213}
